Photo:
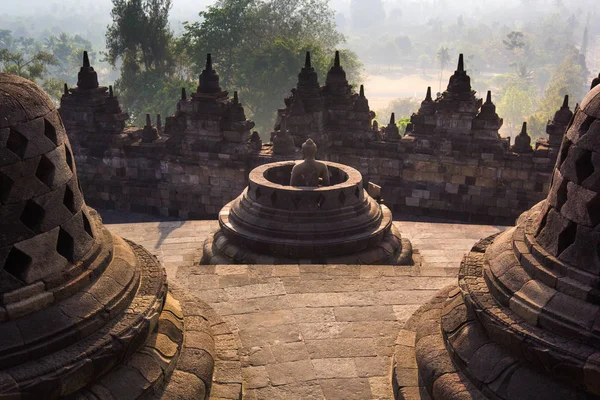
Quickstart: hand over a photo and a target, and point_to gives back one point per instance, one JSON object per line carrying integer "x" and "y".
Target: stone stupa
{"x": 279, "y": 219}
{"x": 84, "y": 314}
{"x": 524, "y": 321}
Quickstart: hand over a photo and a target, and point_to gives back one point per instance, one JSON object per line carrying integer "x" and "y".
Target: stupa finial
{"x": 307, "y": 63}
{"x": 208, "y": 66}
{"x": 428, "y": 95}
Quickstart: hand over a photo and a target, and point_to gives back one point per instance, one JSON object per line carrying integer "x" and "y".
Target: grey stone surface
{"x": 454, "y": 165}
{"x": 292, "y": 322}
{"x": 84, "y": 314}
{"x": 283, "y": 218}
{"x": 522, "y": 322}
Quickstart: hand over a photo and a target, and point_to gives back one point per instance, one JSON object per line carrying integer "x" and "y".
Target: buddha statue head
{"x": 309, "y": 150}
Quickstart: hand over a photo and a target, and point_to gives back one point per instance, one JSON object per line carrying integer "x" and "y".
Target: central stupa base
{"x": 392, "y": 250}
{"x": 272, "y": 222}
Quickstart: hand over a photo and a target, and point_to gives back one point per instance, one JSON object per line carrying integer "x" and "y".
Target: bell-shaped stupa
{"x": 524, "y": 321}
{"x": 83, "y": 313}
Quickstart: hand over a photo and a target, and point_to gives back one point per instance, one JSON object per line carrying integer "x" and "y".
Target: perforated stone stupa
{"x": 84, "y": 314}
{"x": 524, "y": 321}
{"x": 272, "y": 222}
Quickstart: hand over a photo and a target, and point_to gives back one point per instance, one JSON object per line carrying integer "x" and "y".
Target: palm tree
{"x": 443, "y": 57}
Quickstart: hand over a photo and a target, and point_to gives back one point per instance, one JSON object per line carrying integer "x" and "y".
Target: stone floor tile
{"x": 307, "y": 331}
{"x": 291, "y": 372}
{"x": 255, "y": 377}
{"x": 341, "y": 348}
{"x": 380, "y": 387}
{"x": 347, "y": 389}
{"x": 287, "y": 352}
{"x": 373, "y": 366}
{"x": 367, "y": 313}
{"x": 318, "y": 314}
{"x": 296, "y": 391}
{"x": 329, "y": 368}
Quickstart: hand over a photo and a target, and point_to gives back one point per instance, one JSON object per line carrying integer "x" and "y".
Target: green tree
{"x": 443, "y": 57}
{"x": 567, "y": 78}
{"x": 536, "y": 126}
{"x": 151, "y": 74}
{"x": 402, "y": 107}
{"x": 402, "y": 123}
{"x": 514, "y": 107}
{"x": 153, "y": 93}
{"x": 514, "y": 41}
{"x": 258, "y": 48}
{"x": 30, "y": 66}
{"x": 140, "y": 34}
{"x": 67, "y": 50}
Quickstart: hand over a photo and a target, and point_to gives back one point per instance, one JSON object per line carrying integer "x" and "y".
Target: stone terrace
{"x": 305, "y": 332}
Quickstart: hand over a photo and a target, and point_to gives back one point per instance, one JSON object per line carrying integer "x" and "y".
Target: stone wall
{"x": 139, "y": 179}
{"x": 202, "y": 159}
{"x": 485, "y": 187}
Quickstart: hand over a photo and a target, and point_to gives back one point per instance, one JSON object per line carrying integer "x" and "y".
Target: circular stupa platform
{"x": 272, "y": 222}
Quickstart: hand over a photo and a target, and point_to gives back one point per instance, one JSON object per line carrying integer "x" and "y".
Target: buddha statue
{"x": 310, "y": 172}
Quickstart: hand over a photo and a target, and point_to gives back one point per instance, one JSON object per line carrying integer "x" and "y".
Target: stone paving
{"x": 309, "y": 331}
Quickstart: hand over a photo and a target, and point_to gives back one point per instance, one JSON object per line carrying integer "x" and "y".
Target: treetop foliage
{"x": 258, "y": 48}
{"x": 140, "y": 34}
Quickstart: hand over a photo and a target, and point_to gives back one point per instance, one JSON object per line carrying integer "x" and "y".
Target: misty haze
{"x": 299, "y": 199}
{"x": 529, "y": 53}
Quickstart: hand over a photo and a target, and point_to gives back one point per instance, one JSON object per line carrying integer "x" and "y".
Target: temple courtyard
{"x": 305, "y": 331}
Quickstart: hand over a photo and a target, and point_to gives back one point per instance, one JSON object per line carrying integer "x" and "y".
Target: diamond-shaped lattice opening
{"x": 33, "y": 216}
{"x": 50, "y": 131}
{"x": 257, "y": 192}
{"x": 69, "y": 156}
{"x": 86, "y": 225}
{"x": 561, "y": 194}
{"x": 320, "y": 200}
{"x": 342, "y": 197}
{"x": 45, "y": 171}
{"x": 274, "y": 198}
{"x": 566, "y": 238}
{"x": 17, "y": 264}
{"x": 564, "y": 150}
{"x": 6, "y": 185}
{"x": 584, "y": 166}
{"x": 585, "y": 125}
{"x": 17, "y": 143}
{"x": 65, "y": 245}
{"x": 69, "y": 200}
{"x": 543, "y": 223}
